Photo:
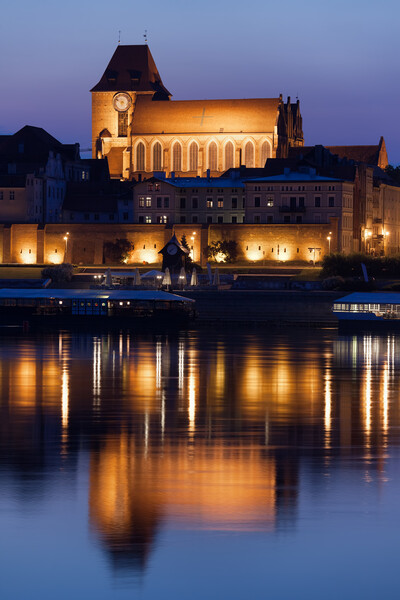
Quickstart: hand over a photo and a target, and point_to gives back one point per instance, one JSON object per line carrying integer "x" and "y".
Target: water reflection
{"x": 198, "y": 430}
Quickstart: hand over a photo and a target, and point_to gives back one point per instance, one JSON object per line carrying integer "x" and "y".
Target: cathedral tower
{"x": 139, "y": 130}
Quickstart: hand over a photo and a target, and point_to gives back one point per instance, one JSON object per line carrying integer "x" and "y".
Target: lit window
{"x": 157, "y": 159}
{"x": 249, "y": 155}
{"x": 264, "y": 153}
{"x": 147, "y": 219}
{"x": 177, "y": 157}
{"x": 140, "y": 157}
{"x": 229, "y": 154}
{"x": 212, "y": 157}
{"x": 193, "y": 156}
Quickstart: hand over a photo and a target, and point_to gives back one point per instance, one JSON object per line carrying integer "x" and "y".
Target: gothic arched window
{"x": 212, "y": 157}
{"x": 157, "y": 161}
{"x": 140, "y": 162}
{"x": 264, "y": 153}
{"x": 249, "y": 155}
{"x": 229, "y": 154}
{"x": 193, "y": 156}
{"x": 177, "y": 157}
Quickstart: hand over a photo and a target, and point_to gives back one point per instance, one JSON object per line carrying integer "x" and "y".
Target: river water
{"x": 200, "y": 464}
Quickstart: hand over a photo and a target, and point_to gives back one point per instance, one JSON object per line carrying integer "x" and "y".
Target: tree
{"x": 393, "y": 172}
{"x": 118, "y": 251}
{"x": 187, "y": 258}
{"x": 222, "y": 251}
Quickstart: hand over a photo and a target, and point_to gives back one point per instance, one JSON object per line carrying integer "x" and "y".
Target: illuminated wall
{"x": 27, "y": 244}
{"x": 281, "y": 243}
{"x": 23, "y": 244}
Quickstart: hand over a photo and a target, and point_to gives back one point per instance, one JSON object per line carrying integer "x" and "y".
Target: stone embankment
{"x": 268, "y": 307}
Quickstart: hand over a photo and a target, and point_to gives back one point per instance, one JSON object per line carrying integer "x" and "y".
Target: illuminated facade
{"x": 303, "y": 197}
{"x": 140, "y": 130}
{"x": 189, "y": 200}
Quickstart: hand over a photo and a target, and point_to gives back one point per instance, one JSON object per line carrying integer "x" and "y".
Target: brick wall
{"x": 29, "y": 244}
{"x": 276, "y": 242}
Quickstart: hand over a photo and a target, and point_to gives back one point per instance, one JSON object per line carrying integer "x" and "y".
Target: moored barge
{"x": 368, "y": 310}
{"x": 92, "y": 306}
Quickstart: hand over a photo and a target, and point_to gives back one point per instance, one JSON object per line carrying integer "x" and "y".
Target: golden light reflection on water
{"x": 190, "y": 426}
{"x": 328, "y": 404}
{"x": 217, "y": 487}
{"x": 367, "y": 383}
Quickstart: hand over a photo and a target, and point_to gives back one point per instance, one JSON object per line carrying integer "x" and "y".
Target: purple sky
{"x": 340, "y": 58}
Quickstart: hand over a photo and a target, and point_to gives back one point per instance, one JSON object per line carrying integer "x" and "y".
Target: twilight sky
{"x": 340, "y": 58}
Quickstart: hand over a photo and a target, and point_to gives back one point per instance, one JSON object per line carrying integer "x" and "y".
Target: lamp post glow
{"x": 385, "y": 237}
{"x": 66, "y": 245}
{"x": 329, "y": 242}
{"x": 192, "y": 238}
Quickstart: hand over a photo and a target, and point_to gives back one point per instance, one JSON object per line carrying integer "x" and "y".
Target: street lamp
{"x": 192, "y": 240}
{"x": 66, "y": 245}
{"x": 329, "y": 242}
{"x": 385, "y": 236}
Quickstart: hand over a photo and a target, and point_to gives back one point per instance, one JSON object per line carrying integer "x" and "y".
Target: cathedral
{"x": 137, "y": 126}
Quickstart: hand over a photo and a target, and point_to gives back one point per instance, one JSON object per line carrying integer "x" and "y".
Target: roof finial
{"x": 145, "y": 36}
{"x": 119, "y": 36}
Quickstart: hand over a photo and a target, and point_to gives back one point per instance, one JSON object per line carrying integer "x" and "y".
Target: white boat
{"x": 368, "y": 308}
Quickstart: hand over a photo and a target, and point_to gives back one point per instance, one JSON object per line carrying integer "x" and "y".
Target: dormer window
{"x": 111, "y": 76}
{"x": 135, "y": 76}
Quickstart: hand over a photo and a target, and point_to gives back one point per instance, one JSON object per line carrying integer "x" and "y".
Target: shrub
{"x": 118, "y": 251}
{"x": 349, "y": 265}
{"x": 222, "y": 251}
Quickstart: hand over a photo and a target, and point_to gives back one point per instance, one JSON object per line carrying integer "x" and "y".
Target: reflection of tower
{"x": 124, "y": 508}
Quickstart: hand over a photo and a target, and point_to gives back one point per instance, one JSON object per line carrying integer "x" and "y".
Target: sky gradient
{"x": 339, "y": 58}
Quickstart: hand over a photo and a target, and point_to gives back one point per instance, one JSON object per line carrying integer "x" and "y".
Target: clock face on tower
{"x": 172, "y": 249}
{"x": 122, "y": 101}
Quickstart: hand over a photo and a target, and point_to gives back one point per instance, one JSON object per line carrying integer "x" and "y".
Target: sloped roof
{"x": 293, "y": 176}
{"x": 196, "y": 182}
{"x": 370, "y": 298}
{"x": 97, "y": 196}
{"x": 131, "y": 68}
{"x": 255, "y": 115}
{"x": 31, "y": 145}
{"x": 174, "y": 240}
{"x": 364, "y": 154}
{"x": 370, "y": 155}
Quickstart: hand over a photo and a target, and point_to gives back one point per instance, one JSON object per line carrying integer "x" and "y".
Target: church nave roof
{"x": 255, "y": 115}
